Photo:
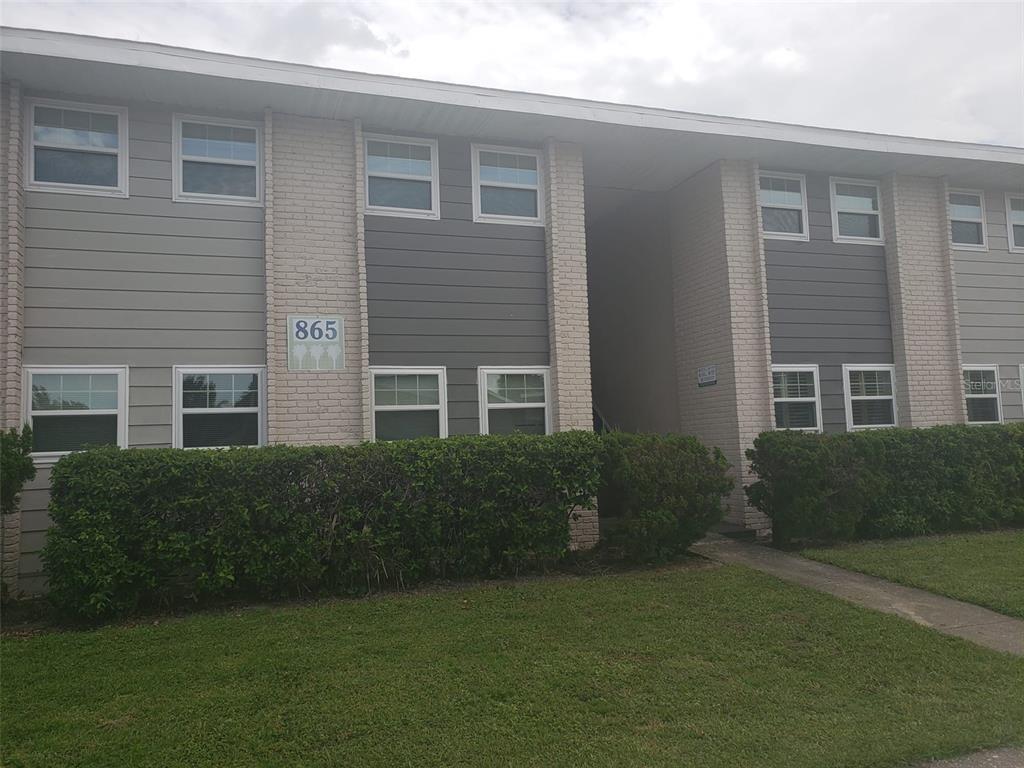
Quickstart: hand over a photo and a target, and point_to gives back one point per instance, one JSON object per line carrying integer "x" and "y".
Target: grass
{"x": 982, "y": 568}
{"x": 711, "y": 666}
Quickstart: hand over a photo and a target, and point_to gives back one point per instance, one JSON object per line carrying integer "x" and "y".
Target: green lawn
{"x": 982, "y": 568}
{"x": 677, "y": 667}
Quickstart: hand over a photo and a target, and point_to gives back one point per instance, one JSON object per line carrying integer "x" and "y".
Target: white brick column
{"x": 12, "y": 302}
{"x": 721, "y": 317}
{"x": 568, "y": 323}
{"x": 568, "y": 312}
{"x": 364, "y": 307}
{"x": 922, "y": 301}
{"x": 313, "y": 268}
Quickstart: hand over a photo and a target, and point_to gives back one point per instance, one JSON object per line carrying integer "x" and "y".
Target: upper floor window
{"x": 401, "y": 177}
{"x": 783, "y": 206}
{"x": 870, "y": 394}
{"x": 506, "y": 185}
{"x": 967, "y": 219}
{"x": 217, "y": 161}
{"x": 856, "y": 211}
{"x": 70, "y": 408}
{"x": 218, "y": 406}
{"x": 77, "y": 148}
{"x": 1015, "y": 222}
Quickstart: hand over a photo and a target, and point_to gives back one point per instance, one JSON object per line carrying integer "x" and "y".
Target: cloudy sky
{"x": 951, "y": 70}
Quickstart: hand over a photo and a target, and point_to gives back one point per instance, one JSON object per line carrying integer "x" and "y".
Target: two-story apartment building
{"x": 204, "y": 250}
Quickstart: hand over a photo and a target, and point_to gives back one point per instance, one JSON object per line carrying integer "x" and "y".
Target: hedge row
{"x": 890, "y": 482}
{"x": 137, "y": 528}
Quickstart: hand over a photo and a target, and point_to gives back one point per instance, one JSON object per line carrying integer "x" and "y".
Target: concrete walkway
{"x": 992, "y": 758}
{"x": 951, "y": 617}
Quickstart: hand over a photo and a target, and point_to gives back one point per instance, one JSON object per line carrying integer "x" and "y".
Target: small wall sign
{"x": 316, "y": 343}
{"x": 707, "y": 375}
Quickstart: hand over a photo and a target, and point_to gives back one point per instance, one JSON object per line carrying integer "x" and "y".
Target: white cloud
{"x": 943, "y": 70}
{"x": 783, "y": 59}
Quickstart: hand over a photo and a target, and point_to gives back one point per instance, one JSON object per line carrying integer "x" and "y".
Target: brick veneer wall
{"x": 568, "y": 321}
{"x": 312, "y": 266}
{"x": 922, "y": 300}
{"x": 721, "y": 316}
{"x": 12, "y": 305}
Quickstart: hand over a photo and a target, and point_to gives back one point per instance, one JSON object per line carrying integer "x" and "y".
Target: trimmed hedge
{"x": 141, "y": 528}
{"x": 133, "y": 528}
{"x": 889, "y": 482}
{"x": 16, "y": 466}
{"x": 659, "y": 493}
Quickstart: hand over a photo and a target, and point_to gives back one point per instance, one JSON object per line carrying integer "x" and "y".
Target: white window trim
{"x": 177, "y": 424}
{"x": 177, "y": 167}
{"x": 481, "y": 378}
{"x": 984, "y": 226}
{"x": 495, "y": 218}
{"x": 806, "y": 235}
{"x": 121, "y": 190}
{"x": 848, "y": 398}
{"x": 1013, "y": 246}
{"x": 808, "y": 368}
{"x": 442, "y": 401}
{"x": 121, "y": 371}
{"x": 435, "y": 191}
{"x": 998, "y": 395}
{"x": 836, "y": 237}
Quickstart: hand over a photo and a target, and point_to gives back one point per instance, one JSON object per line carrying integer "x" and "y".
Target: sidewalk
{"x": 951, "y": 617}
{"x": 992, "y": 758}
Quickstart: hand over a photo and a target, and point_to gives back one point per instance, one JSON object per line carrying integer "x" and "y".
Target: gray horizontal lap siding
{"x": 456, "y": 293}
{"x": 144, "y": 282}
{"x": 827, "y": 303}
{"x": 990, "y": 301}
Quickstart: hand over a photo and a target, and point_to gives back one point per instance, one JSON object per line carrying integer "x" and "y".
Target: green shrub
{"x": 889, "y": 482}
{"x": 16, "y": 466}
{"x": 135, "y": 528}
{"x": 659, "y": 493}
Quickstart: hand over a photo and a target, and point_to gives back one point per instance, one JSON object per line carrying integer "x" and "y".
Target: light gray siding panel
{"x": 148, "y": 263}
{"x": 75, "y": 297}
{"x": 144, "y": 281}
{"x": 990, "y": 301}
{"x": 456, "y": 293}
{"x": 827, "y": 303}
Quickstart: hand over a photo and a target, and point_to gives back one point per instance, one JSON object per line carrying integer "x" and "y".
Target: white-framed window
{"x": 401, "y": 176}
{"x": 783, "y": 199}
{"x": 219, "y": 406}
{"x": 870, "y": 392}
{"x": 409, "y": 402}
{"x": 967, "y": 219}
{"x": 796, "y": 397}
{"x": 217, "y": 161}
{"x": 79, "y": 148}
{"x": 507, "y": 185}
{"x": 1015, "y": 222}
{"x": 73, "y": 407}
{"x": 514, "y": 400}
{"x": 856, "y": 210}
{"x": 981, "y": 388}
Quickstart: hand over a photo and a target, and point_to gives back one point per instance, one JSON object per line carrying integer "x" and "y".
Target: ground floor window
{"x": 514, "y": 400}
{"x": 981, "y": 388}
{"x": 70, "y": 408}
{"x": 409, "y": 403}
{"x": 870, "y": 393}
{"x": 796, "y": 397}
{"x": 218, "y": 406}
